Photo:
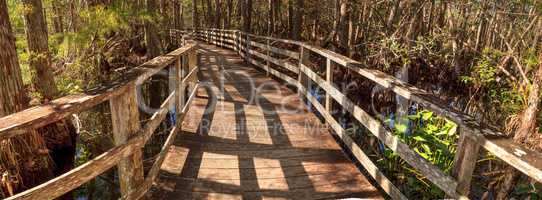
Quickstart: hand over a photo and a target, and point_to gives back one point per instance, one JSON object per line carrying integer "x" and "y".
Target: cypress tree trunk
{"x": 271, "y": 18}
{"x": 195, "y": 15}
{"x": 176, "y": 14}
{"x": 209, "y": 20}
{"x": 527, "y": 128}
{"x": 58, "y": 19}
{"x": 229, "y": 14}
{"x": 217, "y": 13}
{"x": 344, "y": 14}
{"x": 29, "y": 148}
{"x": 153, "y": 50}
{"x": 60, "y": 137}
{"x": 247, "y": 19}
{"x": 297, "y": 25}
{"x": 40, "y": 58}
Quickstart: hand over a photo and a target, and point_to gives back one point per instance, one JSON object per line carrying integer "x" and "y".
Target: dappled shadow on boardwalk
{"x": 249, "y": 137}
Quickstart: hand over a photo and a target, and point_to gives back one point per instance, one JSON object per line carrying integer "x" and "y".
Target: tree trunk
{"x": 58, "y": 22}
{"x": 229, "y": 14}
{"x": 195, "y": 15}
{"x": 209, "y": 19}
{"x": 290, "y": 17}
{"x": 177, "y": 14}
{"x": 26, "y": 156}
{"x": 344, "y": 13}
{"x": 60, "y": 137}
{"x": 218, "y": 7}
{"x": 297, "y": 26}
{"x": 40, "y": 58}
{"x": 528, "y": 127}
{"x": 153, "y": 50}
{"x": 247, "y": 19}
{"x": 271, "y": 18}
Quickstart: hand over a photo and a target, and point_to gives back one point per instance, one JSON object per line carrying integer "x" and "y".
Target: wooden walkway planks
{"x": 250, "y": 137}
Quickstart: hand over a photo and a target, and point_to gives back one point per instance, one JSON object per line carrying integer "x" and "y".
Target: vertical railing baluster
{"x": 302, "y": 78}
{"x": 330, "y": 66}
{"x": 125, "y": 122}
{"x": 267, "y": 62}
{"x": 465, "y": 162}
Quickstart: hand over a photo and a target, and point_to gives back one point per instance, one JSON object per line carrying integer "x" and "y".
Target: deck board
{"x": 248, "y": 136}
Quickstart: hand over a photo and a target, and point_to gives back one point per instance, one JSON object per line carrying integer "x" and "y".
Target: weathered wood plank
{"x": 63, "y": 184}
{"x": 330, "y": 66}
{"x": 39, "y": 116}
{"x": 278, "y": 62}
{"x": 490, "y": 138}
{"x": 125, "y": 123}
{"x": 285, "y": 52}
{"x": 465, "y": 162}
{"x": 433, "y": 173}
{"x": 371, "y": 168}
{"x": 155, "y": 169}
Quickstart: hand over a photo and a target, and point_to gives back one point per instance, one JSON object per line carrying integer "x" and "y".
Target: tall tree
{"x": 153, "y": 50}
{"x": 209, "y": 20}
{"x": 229, "y": 14}
{"x": 527, "y": 130}
{"x": 60, "y": 137}
{"x": 247, "y": 17}
{"x": 297, "y": 25}
{"x": 40, "y": 58}
{"x": 271, "y": 17}
{"x": 25, "y": 149}
{"x": 218, "y": 7}
{"x": 178, "y": 14}
{"x": 58, "y": 18}
{"x": 195, "y": 15}
{"x": 344, "y": 15}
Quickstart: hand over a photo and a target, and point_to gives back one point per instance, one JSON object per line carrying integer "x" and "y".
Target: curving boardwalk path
{"x": 248, "y": 136}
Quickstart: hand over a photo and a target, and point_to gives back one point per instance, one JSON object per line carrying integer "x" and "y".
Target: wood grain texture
{"x": 527, "y": 161}
{"x": 36, "y": 117}
{"x": 125, "y": 123}
{"x": 232, "y": 147}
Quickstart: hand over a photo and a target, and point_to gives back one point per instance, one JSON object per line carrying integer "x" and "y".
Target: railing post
{"x": 179, "y": 86}
{"x": 247, "y": 49}
{"x": 302, "y": 78}
{"x": 464, "y": 162}
{"x": 125, "y": 122}
{"x": 330, "y": 66}
{"x": 267, "y": 62}
{"x": 193, "y": 63}
{"x": 239, "y": 44}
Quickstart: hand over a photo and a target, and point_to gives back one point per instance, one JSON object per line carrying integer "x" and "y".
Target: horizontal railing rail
{"x": 473, "y": 134}
{"x": 129, "y": 137}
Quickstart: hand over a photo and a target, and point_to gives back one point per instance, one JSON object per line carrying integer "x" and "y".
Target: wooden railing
{"x": 129, "y": 136}
{"x": 473, "y": 135}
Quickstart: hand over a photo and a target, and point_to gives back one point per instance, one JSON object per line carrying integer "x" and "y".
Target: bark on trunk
{"x": 58, "y": 19}
{"x": 195, "y": 15}
{"x": 25, "y": 149}
{"x": 40, "y": 58}
{"x": 528, "y": 127}
{"x": 218, "y": 7}
{"x": 209, "y": 19}
{"x": 271, "y": 17}
{"x": 343, "y": 24}
{"x": 60, "y": 137}
{"x": 153, "y": 50}
{"x": 297, "y": 26}
{"x": 247, "y": 19}
{"x": 229, "y": 14}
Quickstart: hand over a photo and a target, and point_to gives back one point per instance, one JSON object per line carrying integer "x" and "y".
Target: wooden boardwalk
{"x": 248, "y": 136}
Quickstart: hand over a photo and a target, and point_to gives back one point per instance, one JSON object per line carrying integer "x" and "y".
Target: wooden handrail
{"x": 473, "y": 134}
{"x": 130, "y": 139}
